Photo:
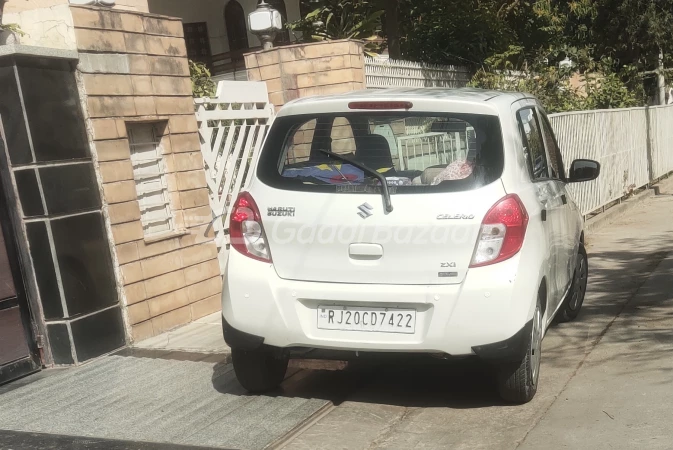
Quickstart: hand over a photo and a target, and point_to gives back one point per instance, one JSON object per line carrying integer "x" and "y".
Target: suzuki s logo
{"x": 365, "y": 211}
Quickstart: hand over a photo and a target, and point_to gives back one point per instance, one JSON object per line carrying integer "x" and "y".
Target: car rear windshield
{"x": 414, "y": 152}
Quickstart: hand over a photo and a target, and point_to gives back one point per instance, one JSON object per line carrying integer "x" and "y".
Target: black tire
{"x": 259, "y": 370}
{"x": 517, "y": 382}
{"x": 572, "y": 304}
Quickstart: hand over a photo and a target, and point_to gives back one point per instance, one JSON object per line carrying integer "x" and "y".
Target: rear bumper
{"x": 488, "y": 315}
{"x": 240, "y": 340}
{"x": 510, "y": 350}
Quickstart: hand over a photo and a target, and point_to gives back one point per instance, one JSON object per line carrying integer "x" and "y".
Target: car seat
{"x": 373, "y": 151}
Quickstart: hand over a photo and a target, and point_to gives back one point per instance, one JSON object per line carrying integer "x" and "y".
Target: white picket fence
{"x": 634, "y": 147}
{"x": 389, "y": 73}
{"x": 661, "y": 140}
{"x": 232, "y": 127}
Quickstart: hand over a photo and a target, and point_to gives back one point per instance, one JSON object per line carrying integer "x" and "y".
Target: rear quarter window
{"x": 415, "y": 152}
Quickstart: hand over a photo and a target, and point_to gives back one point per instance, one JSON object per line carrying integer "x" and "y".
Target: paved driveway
{"x": 605, "y": 380}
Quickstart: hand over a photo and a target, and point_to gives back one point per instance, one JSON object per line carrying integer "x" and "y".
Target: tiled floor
{"x": 202, "y": 336}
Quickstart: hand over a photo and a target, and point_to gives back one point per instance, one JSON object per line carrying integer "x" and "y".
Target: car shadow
{"x": 398, "y": 380}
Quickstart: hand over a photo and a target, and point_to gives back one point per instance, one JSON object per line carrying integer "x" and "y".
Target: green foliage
{"x": 601, "y": 88}
{"x": 202, "y": 84}
{"x": 12, "y": 27}
{"x": 452, "y": 31}
{"x": 550, "y": 86}
{"x": 517, "y": 45}
{"x": 609, "y": 91}
{"x": 615, "y": 40}
{"x": 632, "y": 31}
{"x": 340, "y": 19}
{"x": 468, "y": 32}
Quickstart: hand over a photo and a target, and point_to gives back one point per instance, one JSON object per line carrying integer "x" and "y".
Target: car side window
{"x": 555, "y": 160}
{"x": 531, "y": 135}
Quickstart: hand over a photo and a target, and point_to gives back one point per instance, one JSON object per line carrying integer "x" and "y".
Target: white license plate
{"x": 356, "y": 318}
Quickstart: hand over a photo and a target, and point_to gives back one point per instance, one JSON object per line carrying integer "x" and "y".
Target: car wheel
{"x": 573, "y": 302}
{"x": 259, "y": 370}
{"x": 517, "y": 382}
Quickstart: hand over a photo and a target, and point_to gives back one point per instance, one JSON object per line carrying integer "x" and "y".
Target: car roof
{"x": 422, "y": 98}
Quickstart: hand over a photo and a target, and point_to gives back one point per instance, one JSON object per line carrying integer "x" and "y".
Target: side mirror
{"x": 584, "y": 170}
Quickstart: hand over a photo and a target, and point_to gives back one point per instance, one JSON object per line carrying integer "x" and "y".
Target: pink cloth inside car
{"x": 457, "y": 170}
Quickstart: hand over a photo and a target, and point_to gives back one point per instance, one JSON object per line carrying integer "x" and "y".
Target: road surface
{"x": 605, "y": 380}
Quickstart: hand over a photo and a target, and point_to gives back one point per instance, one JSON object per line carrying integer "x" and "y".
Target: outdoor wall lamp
{"x": 265, "y": 22}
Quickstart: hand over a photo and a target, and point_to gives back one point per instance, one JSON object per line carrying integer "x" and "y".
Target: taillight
{"x": 246, "y": 231}
{"x": 502, "y": 232}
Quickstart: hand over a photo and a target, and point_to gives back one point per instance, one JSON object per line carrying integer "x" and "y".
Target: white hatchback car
{"x": 410, "y": 220}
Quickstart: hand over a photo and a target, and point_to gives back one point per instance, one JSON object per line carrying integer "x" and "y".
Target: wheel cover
{"x": 536, "y": 345}
{"x": 579, "y": 283}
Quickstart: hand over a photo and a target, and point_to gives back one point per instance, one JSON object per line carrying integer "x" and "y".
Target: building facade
{"x": 216, "y": 31}
{"x": 104, "y": 207}
{"x": 106, "y": 234}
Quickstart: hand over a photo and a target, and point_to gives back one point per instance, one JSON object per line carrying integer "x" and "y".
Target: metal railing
{"x": 388, "y": 73}
{"x": 419, "y": 151}
{"x": 634, "y": 147}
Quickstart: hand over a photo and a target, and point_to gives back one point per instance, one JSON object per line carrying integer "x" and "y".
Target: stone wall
{"x": 303, "y": 70}
{"x": 16, "y": 6}
{"x": 133, "y": 5}
{"x": 43, "y": 27}
{"x": 133, "y": 68}
{"x": 48, "y": 23}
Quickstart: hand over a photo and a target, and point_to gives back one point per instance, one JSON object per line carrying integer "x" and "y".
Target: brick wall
{"x": 303, "y": 70}
{"x": 133, "y": 68}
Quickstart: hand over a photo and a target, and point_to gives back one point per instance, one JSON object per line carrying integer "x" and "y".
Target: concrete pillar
{"x": 134, "y": 70}
{"x": 303, "y": 70}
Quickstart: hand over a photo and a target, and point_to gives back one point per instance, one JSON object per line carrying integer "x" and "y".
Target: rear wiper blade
{"x": 372, "y": 172}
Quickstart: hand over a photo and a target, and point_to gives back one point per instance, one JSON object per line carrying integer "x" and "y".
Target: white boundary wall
{"x": 634, "y": 147}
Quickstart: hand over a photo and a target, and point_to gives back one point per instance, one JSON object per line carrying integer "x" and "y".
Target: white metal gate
{"x": 232, "y": 127}
{"x": 390, "y": 73}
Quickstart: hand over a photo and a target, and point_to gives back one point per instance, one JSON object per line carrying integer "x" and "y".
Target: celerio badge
{"x": 455, "y": 217}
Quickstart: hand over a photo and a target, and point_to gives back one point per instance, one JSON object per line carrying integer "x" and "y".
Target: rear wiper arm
{"x": 372, "y": 172}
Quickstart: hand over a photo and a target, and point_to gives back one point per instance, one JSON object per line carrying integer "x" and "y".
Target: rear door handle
{"x": 365, "y": 251}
